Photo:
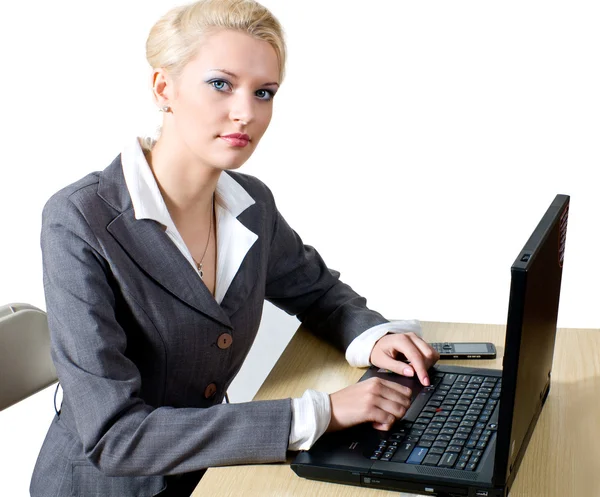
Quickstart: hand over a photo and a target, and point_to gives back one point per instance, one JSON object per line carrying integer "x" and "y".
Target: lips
{"x": 236, "y": 139}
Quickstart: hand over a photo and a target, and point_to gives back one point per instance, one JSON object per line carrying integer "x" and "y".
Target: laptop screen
{"x": 530, "y": 336}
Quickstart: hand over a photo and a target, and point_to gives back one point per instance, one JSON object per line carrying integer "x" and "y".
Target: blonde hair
{"x": 175, "y": 38}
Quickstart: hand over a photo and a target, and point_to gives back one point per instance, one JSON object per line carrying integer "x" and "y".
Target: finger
{"x": 383, "y": 417}
{"x": 383, "y": 427}
{"x": 414, "y": 355}
{"x": 404, "y": 344}
{"x": 389, "y": 396}
{"x": 429, "y": 353}
{"x": 394, "y": 391}
{"x": 395, "y": 365}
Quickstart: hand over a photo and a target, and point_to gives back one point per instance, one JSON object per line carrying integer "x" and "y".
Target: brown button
{"x": 225, "y": 341}
{"x": 210, "y": 390}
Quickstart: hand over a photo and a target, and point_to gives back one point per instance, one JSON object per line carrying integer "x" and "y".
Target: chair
{"x": 25, "y": 363}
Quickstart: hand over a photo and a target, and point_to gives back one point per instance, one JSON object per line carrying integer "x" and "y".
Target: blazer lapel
{"x": 244, "y": 281}
{"x": 146, "y": 242}
{"x": 150, "y": 247}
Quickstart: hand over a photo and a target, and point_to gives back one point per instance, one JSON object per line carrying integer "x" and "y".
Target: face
{"x": 223, "y": 101}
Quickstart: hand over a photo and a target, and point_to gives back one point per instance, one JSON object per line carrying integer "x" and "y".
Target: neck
{"x": 186, "y": 185}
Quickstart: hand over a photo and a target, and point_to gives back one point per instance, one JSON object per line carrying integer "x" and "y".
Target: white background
{"x": 415, "y": 144}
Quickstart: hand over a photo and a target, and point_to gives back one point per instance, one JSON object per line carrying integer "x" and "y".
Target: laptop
{"x": 465, "y": 434}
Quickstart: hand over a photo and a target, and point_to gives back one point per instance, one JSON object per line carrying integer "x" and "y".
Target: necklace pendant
{"x": 200, "y": 271}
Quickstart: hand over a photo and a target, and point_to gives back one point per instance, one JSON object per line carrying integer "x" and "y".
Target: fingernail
{"x": 426, "y": 381}
{"x": 408, "y": 371}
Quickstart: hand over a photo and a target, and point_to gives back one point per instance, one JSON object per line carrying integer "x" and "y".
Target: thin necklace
{"x": 199, "y": 264}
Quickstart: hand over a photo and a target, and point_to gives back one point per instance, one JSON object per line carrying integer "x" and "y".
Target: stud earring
{"x": 165, "y": 108}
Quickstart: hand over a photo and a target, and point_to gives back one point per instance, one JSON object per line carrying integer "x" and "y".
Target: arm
{"x": 299, "y": 282}
{"x": 120, "y": 433}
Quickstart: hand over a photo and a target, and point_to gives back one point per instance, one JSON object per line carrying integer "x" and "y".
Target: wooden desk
{"x": 563, "y": 457}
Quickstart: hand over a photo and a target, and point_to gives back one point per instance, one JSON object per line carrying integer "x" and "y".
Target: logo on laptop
{"x": 562, "y": 235}
{"x": 353, "y": 445}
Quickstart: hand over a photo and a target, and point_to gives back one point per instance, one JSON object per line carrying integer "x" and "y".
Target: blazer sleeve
{"x": 300, "y": 283}
{"x": 120, "y": 433}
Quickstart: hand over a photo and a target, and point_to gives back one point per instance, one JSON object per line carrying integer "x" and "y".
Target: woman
{"x": 155, "y": 273}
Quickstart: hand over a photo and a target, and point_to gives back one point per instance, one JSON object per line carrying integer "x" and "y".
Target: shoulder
{"x": 75, "y": 195}
{"x": 84, "y": 195}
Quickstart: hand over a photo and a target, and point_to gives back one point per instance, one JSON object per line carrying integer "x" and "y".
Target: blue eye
{"x": 265, "y": 94}
{"x": 219, "y": 84}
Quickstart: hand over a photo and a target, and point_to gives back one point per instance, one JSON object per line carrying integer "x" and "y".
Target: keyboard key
{"x": 448, "y": 460}
{"x": 436, "y": 450}
{"x": 449, "y": 379}
{"x": 432, "y": 459}
{"x": 417, "y": 455}
{"x": 460, "y": 465}
{"x": 472, "y": 466}
{"x": 454, "y": 448}
{"x": 403, "y": 452}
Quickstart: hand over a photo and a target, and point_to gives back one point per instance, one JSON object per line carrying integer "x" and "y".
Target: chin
{"x": 229, "y": 165}
{"x": 230, "y": 162}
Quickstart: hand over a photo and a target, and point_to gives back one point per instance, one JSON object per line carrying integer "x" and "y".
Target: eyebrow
{"x": 233, "y": 75}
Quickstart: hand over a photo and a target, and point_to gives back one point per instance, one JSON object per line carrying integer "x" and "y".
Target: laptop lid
{"x": 530, "y": 337}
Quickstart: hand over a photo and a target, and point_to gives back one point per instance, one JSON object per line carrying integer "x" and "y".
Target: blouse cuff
{"x": 311, "y": 415}
{"x": 359, "y": 351}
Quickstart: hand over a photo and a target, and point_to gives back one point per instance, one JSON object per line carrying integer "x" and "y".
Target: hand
{"x": 407, "y": 346}
{"x": 377, "y": 400}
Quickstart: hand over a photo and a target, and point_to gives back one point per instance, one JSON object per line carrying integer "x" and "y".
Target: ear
{"x": 162, "y": 87}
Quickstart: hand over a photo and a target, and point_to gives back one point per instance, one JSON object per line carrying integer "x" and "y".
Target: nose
{"x": 242, "y": 109}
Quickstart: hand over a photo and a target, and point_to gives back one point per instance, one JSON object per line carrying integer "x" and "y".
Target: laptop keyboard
{"x": 449, "y": 424}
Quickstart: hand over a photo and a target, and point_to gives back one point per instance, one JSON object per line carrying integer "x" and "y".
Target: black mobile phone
{"x": 465, "y": 350}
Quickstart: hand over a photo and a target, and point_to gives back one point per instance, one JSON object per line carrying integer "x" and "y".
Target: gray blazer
{"x": 145, "y": 354}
